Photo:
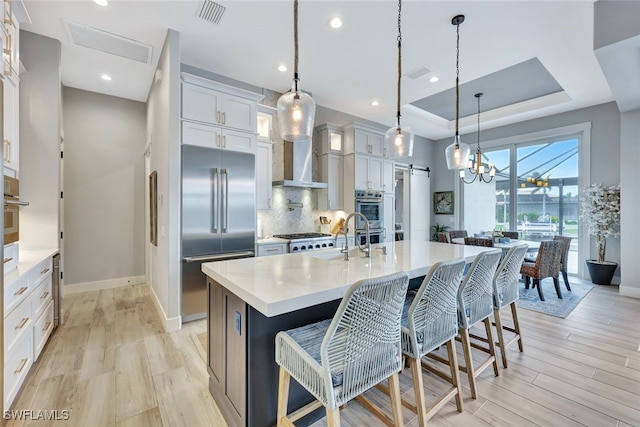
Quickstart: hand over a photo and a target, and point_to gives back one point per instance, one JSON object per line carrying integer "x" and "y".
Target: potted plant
{"x": 437, "y": 228}
{"x": 600, "y": 211}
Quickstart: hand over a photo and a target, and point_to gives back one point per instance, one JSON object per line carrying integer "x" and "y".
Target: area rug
{"x": 553, "y": 306}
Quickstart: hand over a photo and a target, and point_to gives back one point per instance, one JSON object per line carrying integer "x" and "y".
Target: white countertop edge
{"x": 284, "y": 305}
{"x": 28, "y": 259}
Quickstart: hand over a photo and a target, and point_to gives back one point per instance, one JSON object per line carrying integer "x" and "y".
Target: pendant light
{"x": 475, "y": 167}
{"x": 457, "y": 154}
{"x": 296, "y": 109}
{"x": 399, "y": 139}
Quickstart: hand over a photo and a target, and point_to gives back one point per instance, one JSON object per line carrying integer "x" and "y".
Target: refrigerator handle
{"x": 214, "y": 219}
{"x": 225, "y": 226}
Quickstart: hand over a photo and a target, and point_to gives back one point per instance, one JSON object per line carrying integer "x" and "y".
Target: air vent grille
{"x": 418, "y": 72}
{"x": 211, "y": 11}
{"x": 93, "y": 38}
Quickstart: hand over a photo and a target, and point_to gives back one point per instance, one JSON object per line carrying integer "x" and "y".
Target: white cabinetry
{"x": 331, "y": 139}
{"x": 28, "y": 322}
{"x": 267, "y": 249}
{"x": 363, "y": 139}
{"x": 389, "y": 217}
{"x": 9, "y": 34}
{"x": 217, "y": 137}
{"x": 264, "y": 172}
{"x": 367, "y": 171}
{"x": 388, "y": 176}
{"x": 331, "y": 172}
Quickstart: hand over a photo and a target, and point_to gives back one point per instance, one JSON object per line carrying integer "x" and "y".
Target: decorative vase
{"x": 601, "y": 272}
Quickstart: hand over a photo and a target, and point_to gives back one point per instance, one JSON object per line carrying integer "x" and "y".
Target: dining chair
{"x": 566, "y": 245}
{"x": 338, "y": 359}
{"x": 458, "y": 233}
{"x": 511, "y": 234}
{"x": 547, "y": 264}
{"x": 478, "y": 241}
{"x": 443, "y": 237}
{"x": 429, "y": 320}
{"x": 475, "y": 305}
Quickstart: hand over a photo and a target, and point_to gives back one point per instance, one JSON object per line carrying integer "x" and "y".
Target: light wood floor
{"x": 110, "y": 364}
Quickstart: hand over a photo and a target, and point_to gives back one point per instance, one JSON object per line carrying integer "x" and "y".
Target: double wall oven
{"x": 12, "y": 204}
{"x": 370, "y": 203}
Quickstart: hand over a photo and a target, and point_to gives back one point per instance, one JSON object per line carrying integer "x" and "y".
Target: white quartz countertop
{"x": 281, "y": 284}
{"x": 28, "y": 260}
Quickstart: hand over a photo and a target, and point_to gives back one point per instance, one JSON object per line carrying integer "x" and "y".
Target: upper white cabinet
{"x": 363, "y": 139}
{"x": 331, "y": 172}
{"x": 362, "y": 173}
{"x": 264, "y": 172}
{"x": 388, "y": 176}
{"x": 266, "y": 117}
{"x": 10, "y": 141}
{"x": 330, "y": 138}
{"x": 215, "y": 103}
{"x": 216, "y": 137}
{"x": 10, "y": 45}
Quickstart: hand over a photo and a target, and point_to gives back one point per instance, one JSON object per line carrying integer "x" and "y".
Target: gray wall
{"x": 104, "y": 186}
{"x": 40, "y": 109}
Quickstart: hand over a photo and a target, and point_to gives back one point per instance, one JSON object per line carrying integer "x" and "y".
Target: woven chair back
{"x": 443, "y": 237}
{"x": 511, "y": 234}
{"x": 475, "y": 295}
{"x": 432, "y": 316}
{"x": 548, "y": 259}
{"x": 505, "y": 281}
{"x": 458, "y": 233}
{"x": 477, "y": 241}
{"x": 566, "y": 244}
{"x": 362, "y": 343}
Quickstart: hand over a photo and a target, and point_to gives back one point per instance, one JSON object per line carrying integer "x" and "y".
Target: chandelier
{"x": 457, "y": 154}
{"x": 296, "y": 109}
{"x": 399, "y": 139}
{"x": 475, "y": 167}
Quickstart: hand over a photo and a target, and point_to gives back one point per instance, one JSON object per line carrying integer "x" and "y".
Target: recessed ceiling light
{"x": 375, "y": 102}
{"x": 101, "y": 2}
{"x": 434, "y": 79}
{"x": 106, "y": 77}
{"x": 336, "y": 22}
{"x": 282, "y": 67}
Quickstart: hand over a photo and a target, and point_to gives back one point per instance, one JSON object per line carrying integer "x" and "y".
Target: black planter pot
{"x": 601, "y": 273}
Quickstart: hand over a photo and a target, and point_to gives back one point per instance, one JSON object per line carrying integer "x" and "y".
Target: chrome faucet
{"x": 366, "y": 249}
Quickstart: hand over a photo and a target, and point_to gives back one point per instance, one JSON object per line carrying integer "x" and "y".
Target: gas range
{"x": 300, "y": 242}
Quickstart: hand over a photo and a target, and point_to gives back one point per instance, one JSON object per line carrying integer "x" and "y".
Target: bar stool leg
{"x": 500, "y": 332}
{"x": 333, "y": 417}
{"x": 418, "y": 389}
{"x": 516, "y": 324}
{"x": 455, "y": 375}
{"x": 492, "y": 346}
{"x": 468, "y": 360}
{"x": 396, "y": 403}
{"x": 283, "y": 396}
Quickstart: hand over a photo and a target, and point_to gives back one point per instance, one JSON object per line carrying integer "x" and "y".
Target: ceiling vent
{"x": 93, "y": 38}
{"x": 211, "y": 11}
{"x": 418, "y": 72}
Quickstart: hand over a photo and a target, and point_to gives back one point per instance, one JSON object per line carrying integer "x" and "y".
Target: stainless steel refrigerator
{"x": 218, "y": 217}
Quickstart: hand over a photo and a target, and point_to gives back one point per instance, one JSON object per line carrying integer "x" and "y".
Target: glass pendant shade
{"x": 399, "y": 142}
{"x": 457, "y": 154}
{"x": 296, "y": 113}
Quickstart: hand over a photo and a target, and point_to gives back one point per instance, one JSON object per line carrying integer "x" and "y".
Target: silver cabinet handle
{"x": 224, "y": 141}
{"x": 217, "y": 116}
{"x": 224, "y": 118}
{"x": 214, "y": 215}
{"x": 21, "y": 367}
{"x": 22, "y": 323}
{"x": 217, "y": 140}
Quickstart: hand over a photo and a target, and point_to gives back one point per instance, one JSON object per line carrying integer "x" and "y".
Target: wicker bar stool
{"x": 429, "y": 320}
{"x": 341, "y": 358}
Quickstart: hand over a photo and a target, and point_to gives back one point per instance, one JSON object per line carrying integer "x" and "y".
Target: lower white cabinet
{"x": 331, "y": 172}
{"x": 272, "y": 249}
{"x": 28, "y": 322}
{"x": 389, "y": 217}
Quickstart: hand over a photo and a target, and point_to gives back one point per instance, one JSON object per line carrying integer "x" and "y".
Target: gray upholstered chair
{"x": 547, "y": 264}
{"x": 458, "y": 233}
{"x": 566, "y": 244}
{"x": 511, "y": 234}
{"x": 505, "y": 293}
{"x": 443, "y": 237}
{"x": 429, "y": 320}
{"x": 340, "y": 358}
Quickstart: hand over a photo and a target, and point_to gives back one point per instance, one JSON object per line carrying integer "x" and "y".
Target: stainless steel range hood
{"x": 298, "y": 166}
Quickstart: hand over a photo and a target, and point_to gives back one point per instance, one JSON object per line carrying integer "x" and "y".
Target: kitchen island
{"x": 251, "y": 299}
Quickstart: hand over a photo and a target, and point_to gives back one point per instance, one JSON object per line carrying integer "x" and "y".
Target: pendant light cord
{"x": 457, "y": 75}
{"x": 399, "y": 56}
{"x": 478, "y": 95}
{"x": 295, "y": 44}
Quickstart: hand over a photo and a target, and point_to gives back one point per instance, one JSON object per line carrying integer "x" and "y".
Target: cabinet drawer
{"x": 40, "y": 297}
{"x": 42, "y": 271}
{"x": 16, "y": 324}
{"x": 15, "y": 293}
{"x": 266, "y": 250}
{"x": 41, "y": 330}
{"x": 202, "y": 135}
{"x": 10, "y": 258}
{"x": 17, "y": 364}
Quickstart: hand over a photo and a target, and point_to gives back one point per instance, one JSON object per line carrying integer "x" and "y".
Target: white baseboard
{"x": 629, "y": 291}
{"x": 170, "y": 324}
{"x": 102, "y": 284}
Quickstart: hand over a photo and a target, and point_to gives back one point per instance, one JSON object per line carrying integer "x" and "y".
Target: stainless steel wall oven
{"x": 370, "y": 204}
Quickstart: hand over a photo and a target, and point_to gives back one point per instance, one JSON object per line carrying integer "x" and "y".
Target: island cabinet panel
{"x": 227, "y": 353}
